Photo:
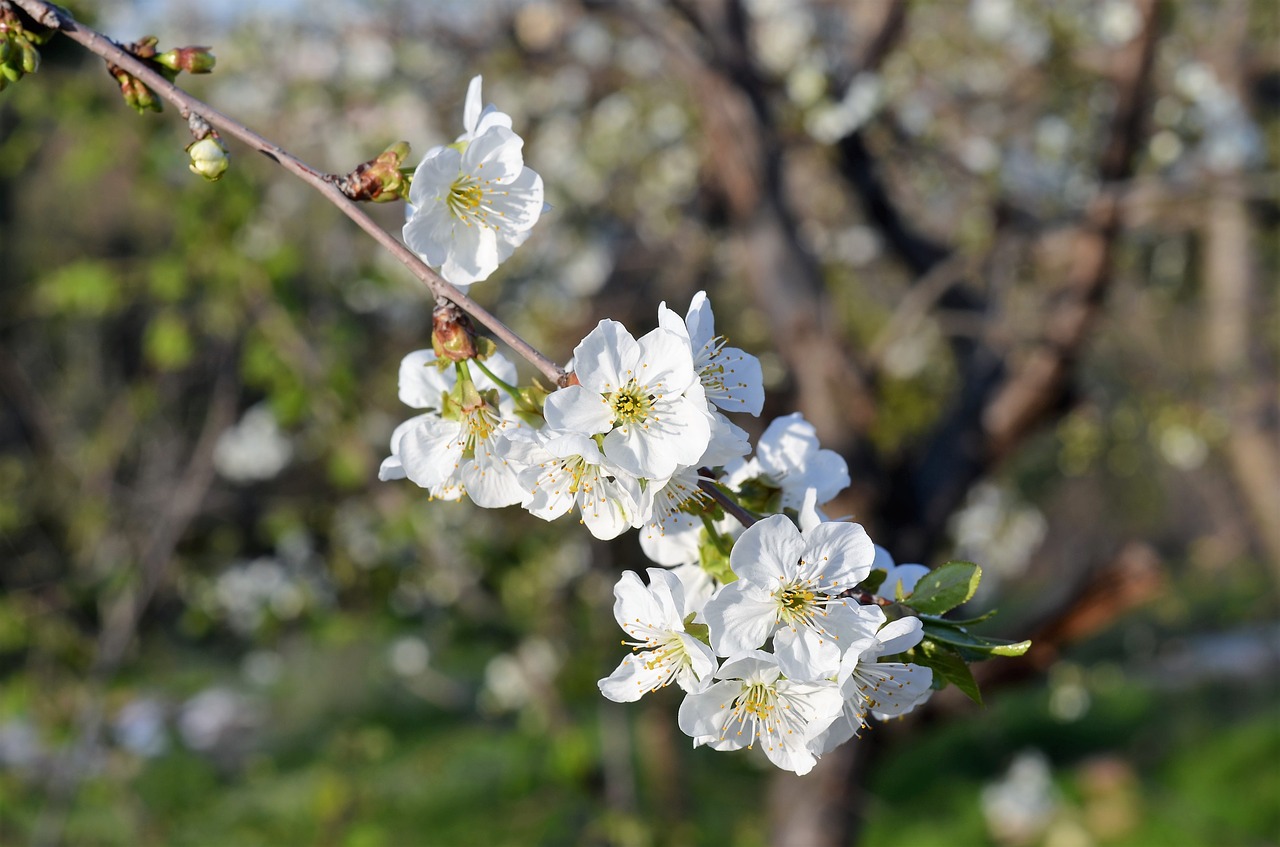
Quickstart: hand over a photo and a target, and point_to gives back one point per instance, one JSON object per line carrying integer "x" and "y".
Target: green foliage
{"x": 945, "y": 587}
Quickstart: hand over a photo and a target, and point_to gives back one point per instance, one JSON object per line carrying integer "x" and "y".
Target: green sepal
{"x": 874, "y": 580}
{"x": 484, "y": 347}
{"x": 757, "y": 495}
{"x": 714, "y": 559}
{"x": 529, "y": 402}
{"x": 945, "y": 587}
{"x": 700, "y": 631}
{"x": 959, "y": 637}
{"x": 947, "y": 664}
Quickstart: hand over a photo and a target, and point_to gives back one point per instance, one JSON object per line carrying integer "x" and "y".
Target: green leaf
{"x": 944, "y": 588}
{"x": 948, "y": 664}
{"x": 959, "y": 621}
{"x": 873, "y": 581}
{"x": 959, "y": 637}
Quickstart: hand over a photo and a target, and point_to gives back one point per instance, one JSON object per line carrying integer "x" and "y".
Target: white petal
{"x": 767, "y": 551}
{"x": 421, "y": 382}
{"x": 473, "y": 106}
{"x": 703, "y": 715}
{"x": 472, "y": 256}
{"x": 431, "y": 451}
{"x": 603, "y": 360}
{"x": 429, "y": 233}
{"x": 495, "y": 155}
{"x": 841, "y": 552}
{"x": 899, "y": 636}
{"x": 633, "y": 679}
{"x": 576, "y": 409}
{"x": 805, "y": 655}
{"x": 741, "y": 618}
{"x": 433, "y": 176}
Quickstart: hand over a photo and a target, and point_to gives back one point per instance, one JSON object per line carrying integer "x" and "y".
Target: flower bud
{"x": 193, "y": 60}
{"x": 379, "y": 180}
{"x": 452, "y": 334}
{"x": 6, "y": 47}
{"x": 30, "y": 56}
{"x": 209, "y": 158}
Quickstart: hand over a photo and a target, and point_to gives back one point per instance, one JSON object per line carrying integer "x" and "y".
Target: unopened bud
{"x": 209, "y": 158}
{"x": 379, "y": 180}
{"x": 452, "y": 334}
{"x": 30, "y": 56}
{"x": 193, "y": 60}
{"x": 6, "y": 47}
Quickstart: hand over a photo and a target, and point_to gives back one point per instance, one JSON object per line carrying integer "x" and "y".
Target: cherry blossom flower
{"x": 473, "y": 202}
{"x": 753, "y": 702}
{"x": 653, "y": 616}
{"x": 642, "y": 395}
{"x": 731, "y": 378}
{"x": 468, "y": 453}
{"x": 788, "y": 587}
{"x": 567, "y": 470}
{"x": 884, "y": 689}
{"x": 789, "y": 458}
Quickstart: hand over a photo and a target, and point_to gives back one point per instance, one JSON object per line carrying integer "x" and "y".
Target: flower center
{"x": 795, "y": 601}
{"x": 630, "y": 404}
{"x": 465, "y": 196}
{"x": 758, "y": 701}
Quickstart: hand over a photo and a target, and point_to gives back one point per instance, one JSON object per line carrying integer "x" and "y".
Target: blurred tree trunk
{"x": 1245, "y": 391}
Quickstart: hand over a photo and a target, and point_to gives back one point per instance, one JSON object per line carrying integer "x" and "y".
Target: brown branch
{"x": 51, "y": 16}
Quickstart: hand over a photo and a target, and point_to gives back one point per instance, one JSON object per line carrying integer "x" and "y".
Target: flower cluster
{"x": 786, "y": 630}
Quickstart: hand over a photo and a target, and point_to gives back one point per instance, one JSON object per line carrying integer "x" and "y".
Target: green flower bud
{"x": 209, "y": 158}
{"x": 6, "y": 48}
{"x": 30, "y": 56}
{"x": 11, "y": 73}
{"x": 193, "y": 60}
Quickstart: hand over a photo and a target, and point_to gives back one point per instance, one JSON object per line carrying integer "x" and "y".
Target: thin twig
{"x": 53, "y": 17}
{"x": 726, "y": 502}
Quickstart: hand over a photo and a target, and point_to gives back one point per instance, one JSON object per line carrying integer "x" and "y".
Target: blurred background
{"x": 1016, "y": 261}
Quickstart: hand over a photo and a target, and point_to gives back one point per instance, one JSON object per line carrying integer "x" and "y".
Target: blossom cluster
{"x": 761, "y": 609}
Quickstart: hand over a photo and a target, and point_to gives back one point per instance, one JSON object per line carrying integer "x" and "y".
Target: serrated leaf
{"x": 948, "y": 664}
{"x": 959, "y": 637}
{"x": 945, "y": 587}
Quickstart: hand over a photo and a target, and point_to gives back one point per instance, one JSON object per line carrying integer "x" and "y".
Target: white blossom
{"x": 883, "y": 689}
{"x": 788, "y": 457}
{"x": 788, "y": 587}
{"x": 653, "y": 616}
{"x": 753, "y": 701}
{"x": 642, "y": 395}
{"x": 567, "y": 470}
{"x": 473, "y": 202}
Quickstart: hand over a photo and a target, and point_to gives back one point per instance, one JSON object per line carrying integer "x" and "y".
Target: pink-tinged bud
{"x": 193, "y": 60}
{"x": 453, "y": 336}
{"x": 209, "y": 158}
{"x": 136, "y": 95}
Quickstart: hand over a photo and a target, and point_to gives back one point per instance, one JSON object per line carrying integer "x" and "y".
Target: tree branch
{"x": 51, "y": 16}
